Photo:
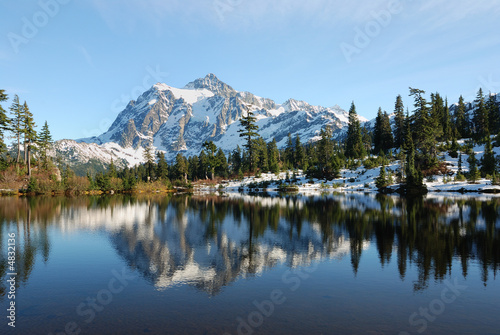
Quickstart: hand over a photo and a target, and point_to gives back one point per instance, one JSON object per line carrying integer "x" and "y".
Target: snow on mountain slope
{"x": 180, "y": 120}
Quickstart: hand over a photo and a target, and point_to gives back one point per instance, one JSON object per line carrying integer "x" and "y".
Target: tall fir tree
{"x": 16, "y": 124}
{"x": 261, "y": 154}
{"x": 414, "y": 179}
{"x": 387, "y": 132}
{"x": 377, "y": 132}
{"x": 446, "y": 121}
{"x": 325, "y": 149}
{"x": 299, "y": 153}
{"x": 493, "y": 113}
{"x": 399, "y": 122}
{"x": 474, "y": 174}
{"x": 481, "y": 118}
{"x": 203, "y": 165}
{"x": 354, "y": 147}
{"x": 222, "y": 168}
{"x": 273, "y": 156}
{"x": 382, "y": 137}
{"x": 149, "y": 162}
{"x": 161, "y": 166}
{"x": 488, "y": 161}
{"x": 249, "y": 132}
{"x": 181, "y": 168}
{"x": 461, "y": 121}
{"x": 4, "y": 123}
{"x": 210, "y": 150}
{"x": 236, "y": 160}
{"x": 426, "y": 130}
{"x": 30, "y": 135}
{"x": 45, "y": 142}
{"x": 289, "y": 152}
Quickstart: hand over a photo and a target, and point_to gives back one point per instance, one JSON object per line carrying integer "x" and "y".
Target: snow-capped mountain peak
{"x": 213, "y": 84}
{"x": 177, "y": 120}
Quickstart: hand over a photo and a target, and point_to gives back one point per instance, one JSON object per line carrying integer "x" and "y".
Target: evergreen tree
{"x": 354, "y": 141}
{"x": 494, "y": 114}
{"x": 193, "y": 164}
{"x": 249, "y": 131}
{"x": 30, "y": 135}
{"x": 161, "y": 166}
{"x": 44, "y": 142}
{"x": 366, "y": 136}
{"x": 273, "y": 155}
{"x": 461, "y": 123}
{"x": 382, "y": 136}
{"x": 203, "y": 165}
{"x": 17, "y": 124}
{"x": 399, "y": 122}
{"x": 414, "y": 179}
{"x": 210, "y": 149}
{"x": 181, "y": 167}
{"x": 425, "y": 129}
{"x": 149, "y": 162}
{"x": 261, "y": 154}
{"x": 474, "y": 174}
{"x": 236, "y": 160}
{"x": 299, "y": 153}
{"x": 437, "y": 115}
{"x": 377, "y": 132}
{"x": 481, "y": 118}
{"x": 325, "y": 151}
{"x": 112, "y": 169}
{"x": 488, "y": 161}
{"x": 381, "y": 181}
{"x": 289, "y": 153}
{"x": 4, "y": 123}
{"x": 459, "y": 176}
{"x": 387, "y": 137}
{"x": 446, "y": 122}
{"x": 222, "y": 168}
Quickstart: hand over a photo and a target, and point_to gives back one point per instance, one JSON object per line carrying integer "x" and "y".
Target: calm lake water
{"x": 240, "y": 264}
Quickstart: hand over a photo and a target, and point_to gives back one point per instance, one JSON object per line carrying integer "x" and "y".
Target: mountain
{"x": 181, "y": 119}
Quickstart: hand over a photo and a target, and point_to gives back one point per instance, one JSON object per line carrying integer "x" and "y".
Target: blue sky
{"x": 77, "y": 63}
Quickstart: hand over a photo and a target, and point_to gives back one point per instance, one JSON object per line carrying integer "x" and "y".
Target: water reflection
{"x": 209, "y": 242}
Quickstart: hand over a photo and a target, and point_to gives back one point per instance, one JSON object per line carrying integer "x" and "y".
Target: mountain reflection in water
{"x": 209, "y": 242}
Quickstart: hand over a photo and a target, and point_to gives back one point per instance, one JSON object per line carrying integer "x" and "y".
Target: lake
{"x": 245, "y": 264}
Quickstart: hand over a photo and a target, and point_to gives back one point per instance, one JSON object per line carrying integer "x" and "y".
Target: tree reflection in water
{"x": 211, "y": 241}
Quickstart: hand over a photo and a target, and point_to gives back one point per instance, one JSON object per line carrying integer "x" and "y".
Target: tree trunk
{"x": 28, "y": 159}
{"x": 18, "y": 149}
